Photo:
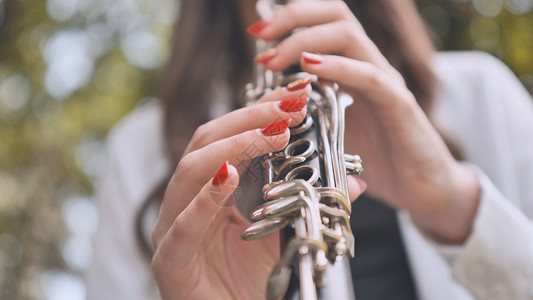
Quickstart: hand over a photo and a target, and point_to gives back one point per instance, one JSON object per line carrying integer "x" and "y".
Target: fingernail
{"x": 293, "y": 105}
{"x": 298, "y": 84}
{"x": 257, "y": 27}
{"x": 222, "y": 175}
{"x": 362, "y": 184}
{"x": 266, "y": 56}
{"x": 276, "y": 128}
{"x": 311, "y": 58}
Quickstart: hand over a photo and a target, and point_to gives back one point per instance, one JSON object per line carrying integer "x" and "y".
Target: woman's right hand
{"x": 199, "y": 252}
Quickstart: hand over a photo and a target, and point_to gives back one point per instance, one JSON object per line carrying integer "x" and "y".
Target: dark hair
{"x": 210, "y": 41}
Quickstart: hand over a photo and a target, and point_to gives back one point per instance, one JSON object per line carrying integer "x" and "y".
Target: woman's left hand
{"x": 407, "y": 164}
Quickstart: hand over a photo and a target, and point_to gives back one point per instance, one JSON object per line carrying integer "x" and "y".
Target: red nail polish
{"x": 294, "y": 104}
{"x": 257, "y": 27}
{"x": 266, "y": 56}
{"x": 221, "y": 175}
{"x": 298, "y": 84}
{"x": 276, "y": 128}
{"x": 311, "y": 58}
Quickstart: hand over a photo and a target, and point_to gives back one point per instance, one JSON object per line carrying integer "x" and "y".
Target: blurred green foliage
{"x": 503, "y": 28}
{"x": 70, "y": 69}
{"x": 52, "y": 127}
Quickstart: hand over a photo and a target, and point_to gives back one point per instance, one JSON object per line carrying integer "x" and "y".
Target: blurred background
{"x": 70, "y": 69}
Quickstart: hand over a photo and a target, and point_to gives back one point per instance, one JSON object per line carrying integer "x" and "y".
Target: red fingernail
{"x": 298, "y": 84}
{"x": 311, "y": 58}
{"x": 221, "y": 175}
{"x": 266, "y": 56}
{"x": 293, "y": 105}
{"x": 257, "y": 27}
{"x": 276, "y": 128}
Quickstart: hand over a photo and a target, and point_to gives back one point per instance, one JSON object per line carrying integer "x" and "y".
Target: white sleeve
{"x": 120, "y": 270}
{"x": 496, "y": 261}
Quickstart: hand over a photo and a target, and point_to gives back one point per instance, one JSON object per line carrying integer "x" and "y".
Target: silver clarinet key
{"x": 306, "y": 190}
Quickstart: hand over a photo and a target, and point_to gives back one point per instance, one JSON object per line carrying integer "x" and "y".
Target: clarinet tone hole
{"x": 303, "y": 127}
{"x": 303, "y": 148}
{"x": 306, "y": 173}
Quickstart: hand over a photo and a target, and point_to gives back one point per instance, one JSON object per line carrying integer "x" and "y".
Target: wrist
{"x": 451, "y": 220}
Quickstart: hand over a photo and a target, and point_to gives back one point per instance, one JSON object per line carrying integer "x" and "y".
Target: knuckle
{"x": 185, "y": 165}
{"x": 200, "y": 135}
{"x": 155, "y": 263}
{"x": 286, "y": 14}
{"x": 407, "y": 101}
{"x": 342, "y": 8}
{"x": 398, "y": 76}
{"x": 351, "y": 31}
{"x": 290, "y": 9}
{"x": 155, "y": 236}
{"x": 402, "y": 102}
{"x": 375, "y": 79}
{"x": 178, "y": 233}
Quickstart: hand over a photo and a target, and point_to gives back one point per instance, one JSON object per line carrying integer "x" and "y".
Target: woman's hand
{"x": 199, "y": 252}
{"x": 407, "y": 163}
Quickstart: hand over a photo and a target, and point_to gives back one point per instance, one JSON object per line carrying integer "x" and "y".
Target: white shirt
{"x": 480, "y": 104}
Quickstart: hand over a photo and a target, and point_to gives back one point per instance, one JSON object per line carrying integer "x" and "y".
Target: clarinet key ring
{"x": 305, "y": 191}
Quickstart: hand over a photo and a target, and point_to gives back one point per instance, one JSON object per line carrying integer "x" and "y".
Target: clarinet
{"x": 305, "y": 192}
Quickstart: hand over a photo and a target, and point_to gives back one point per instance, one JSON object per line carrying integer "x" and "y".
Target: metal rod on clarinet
{"x": 306, "y": 191}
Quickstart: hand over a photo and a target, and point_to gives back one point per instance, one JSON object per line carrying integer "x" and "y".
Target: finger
{"x": 184, "y": 237}
{"x": 195, "y": 168}
{"x": 359, "y": 76}
{"x": 292, "y": 107}
{"x": 341, "y": 38}
{"x": 297, "y": 88}
{"x": 356, "y": 186}
{"x": 301, "y": 14}
{"x": 253, "y": 117}
{"x": 244, "y": 146}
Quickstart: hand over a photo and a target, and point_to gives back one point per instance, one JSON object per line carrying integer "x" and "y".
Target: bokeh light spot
{"x": 15, "y": 92}
{"x": 488, "y": 8}
{"x": 69, "y": 65}
{"x": 142, "y": 49}
{"x": 81, "y": 215}
{"x": 519, "y": 7}
{"x": 77, "y": 252}
{"x": 90, "y": 157}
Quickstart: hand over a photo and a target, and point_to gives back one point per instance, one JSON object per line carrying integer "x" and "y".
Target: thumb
{"x": 356, "y": 186}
